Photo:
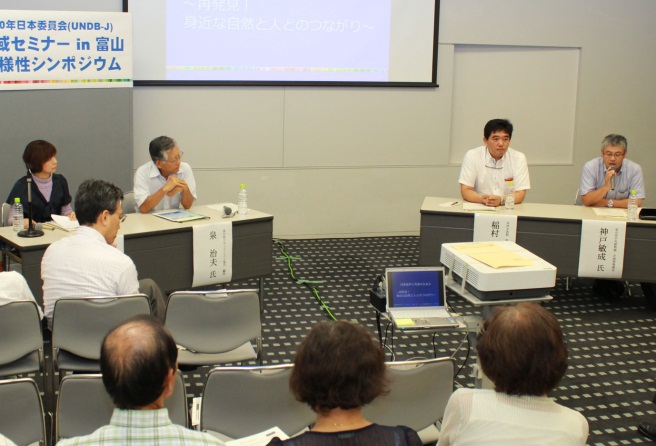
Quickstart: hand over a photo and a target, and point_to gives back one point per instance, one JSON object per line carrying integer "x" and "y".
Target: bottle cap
{"x": 243, "y": 186}
{"x": 17, "y": 200}
{"x": 633, "y": 191}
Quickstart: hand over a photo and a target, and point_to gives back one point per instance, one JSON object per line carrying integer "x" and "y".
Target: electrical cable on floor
{"x": 307, "y": 283}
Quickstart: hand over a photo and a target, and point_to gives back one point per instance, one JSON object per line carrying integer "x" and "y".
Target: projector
{"x": 488, "y": 283}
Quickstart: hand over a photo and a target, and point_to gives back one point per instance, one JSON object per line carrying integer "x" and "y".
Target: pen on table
{"x": 454, "y": 203}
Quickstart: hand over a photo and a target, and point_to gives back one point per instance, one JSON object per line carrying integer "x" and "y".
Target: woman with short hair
{"x": 51, "y": 195}
{"x": 337, "y": 370}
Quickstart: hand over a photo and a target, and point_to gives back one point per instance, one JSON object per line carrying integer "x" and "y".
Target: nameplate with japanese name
{"x": 602, "y": 249}
{"x": 495, "y": 227}
{"x": 212, "y": 253}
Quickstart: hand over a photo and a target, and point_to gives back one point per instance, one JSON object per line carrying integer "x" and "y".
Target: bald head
{"x": 135, "y": 359}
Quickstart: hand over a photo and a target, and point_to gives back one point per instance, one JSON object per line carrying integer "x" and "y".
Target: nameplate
{"x": 495, "y": 228}
{"x": 212, "y": 253}
{"x": 602, "y": 249}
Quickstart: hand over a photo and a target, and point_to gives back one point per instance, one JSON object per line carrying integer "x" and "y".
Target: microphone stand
{"x": 30, "y": 232}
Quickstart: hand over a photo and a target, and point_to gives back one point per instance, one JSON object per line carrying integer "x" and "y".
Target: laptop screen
{"x": 415, "y": 287}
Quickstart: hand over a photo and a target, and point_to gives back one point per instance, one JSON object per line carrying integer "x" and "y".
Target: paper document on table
{"x": 468, "y": 248}
{"x": 500, "y": 259}
{"x": 610, "y": 212}
{"x": 467, "y": 206}
{"x": 261, "y": 439}
{"x": 63, "y": 222}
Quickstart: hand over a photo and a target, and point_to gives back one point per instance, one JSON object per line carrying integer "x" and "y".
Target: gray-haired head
{"x": 160, "y": 145}
{"x": 614, "y": 140}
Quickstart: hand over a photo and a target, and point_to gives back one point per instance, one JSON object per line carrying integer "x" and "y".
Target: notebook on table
{"x": 416, "y": 298}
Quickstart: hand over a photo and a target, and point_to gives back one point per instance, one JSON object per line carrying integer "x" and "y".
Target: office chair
{"x": 242, "y": 401}
{"x": 128, "y": 203}
{"x": 419, "y": 391}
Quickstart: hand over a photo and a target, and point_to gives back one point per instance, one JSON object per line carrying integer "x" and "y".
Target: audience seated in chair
{"x": 138, "y": 360}
{"x": 13, "y": 287}
{"x": 522, "y": 350}
{"x": 337, "y": 370}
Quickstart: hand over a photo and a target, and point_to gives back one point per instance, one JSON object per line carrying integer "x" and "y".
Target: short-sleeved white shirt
{"x": 488, "y": 176}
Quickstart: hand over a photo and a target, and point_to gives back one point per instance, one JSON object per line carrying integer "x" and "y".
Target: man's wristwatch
{"x": 609, "y": 203}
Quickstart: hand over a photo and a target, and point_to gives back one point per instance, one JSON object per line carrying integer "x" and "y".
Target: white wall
{"x": 355, "y": 161}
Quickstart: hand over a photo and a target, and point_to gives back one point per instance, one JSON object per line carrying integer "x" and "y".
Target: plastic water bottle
{"x": 510, "y": 195}
{"x": 632, "y": 208}
{"x": 17, "y": 212}
{"x": 242, "y": 203}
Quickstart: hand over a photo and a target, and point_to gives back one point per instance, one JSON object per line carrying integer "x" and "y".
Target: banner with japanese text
{"x": 602, "y": 249}
{"x": 65, "y": 49}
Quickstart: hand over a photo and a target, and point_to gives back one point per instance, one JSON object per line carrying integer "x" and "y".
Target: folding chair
{"x": 419, "y": 391}
{"x": 241, "y": 401}
{"x": 215, "y": 327}
{"x": 21, "y": 412}
{"x": 80, "y": 325}
{"x": 84, "y": 405}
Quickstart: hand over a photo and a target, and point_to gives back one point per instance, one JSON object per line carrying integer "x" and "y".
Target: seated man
{"x": 13, "y": 287}
{"x": 165, "y": 182}
{"x": 608, "y": 180}
{"x": 486, "y": 169}
{"x": 138, "y": 360}
{"x": 86, "y": 264}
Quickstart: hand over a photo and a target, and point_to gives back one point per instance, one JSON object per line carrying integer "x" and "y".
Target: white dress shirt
{"x": 480, "y": 417}
{"x": 13, "y": 287}
{"x": 488, "y": 176}
{"x": 84, "y": 265}
{"x": 148, "y": 180}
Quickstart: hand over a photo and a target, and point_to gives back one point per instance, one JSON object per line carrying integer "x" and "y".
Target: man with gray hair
{"x": 138, "y": 360}
{"x": 608, "y": 180}
{"x": 165, "y": 182}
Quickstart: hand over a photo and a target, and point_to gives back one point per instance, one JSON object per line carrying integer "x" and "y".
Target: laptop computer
{"x": 416, "y": 298}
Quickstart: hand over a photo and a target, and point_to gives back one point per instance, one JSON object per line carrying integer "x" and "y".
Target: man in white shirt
{"x": 87, "y": 264}
{"x": 13, "y": 287}
{"x": 486, "y": 169}
{"x": 165, "y": 182}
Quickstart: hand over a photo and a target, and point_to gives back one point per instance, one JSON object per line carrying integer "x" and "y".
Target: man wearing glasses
{"x": 165, "y": 182}
{"x": 486, "y": 169}
{"x": 86, "y": 264}
{"x": 609, "y": 179}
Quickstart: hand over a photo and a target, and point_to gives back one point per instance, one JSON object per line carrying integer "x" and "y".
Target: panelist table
{"x": 550, "y": 231}
{"x": 162, "y": 250}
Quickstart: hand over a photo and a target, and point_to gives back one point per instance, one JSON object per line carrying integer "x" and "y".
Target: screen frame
{"x": 188, "y": 83}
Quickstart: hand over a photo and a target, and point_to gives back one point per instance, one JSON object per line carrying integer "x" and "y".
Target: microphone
{"x": 612, "y": 179}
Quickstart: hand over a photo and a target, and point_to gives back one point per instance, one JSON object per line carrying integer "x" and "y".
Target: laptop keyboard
{"x": 413, "y": 314}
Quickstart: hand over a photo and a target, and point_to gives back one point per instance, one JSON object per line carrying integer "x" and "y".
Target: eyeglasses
{"x": 613, "y": 155}
{"x": 177, "y": 159}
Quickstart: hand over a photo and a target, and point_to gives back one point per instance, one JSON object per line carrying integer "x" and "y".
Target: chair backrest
{"x": 21, "y": 412}
{"x": 128, "y": 203}
{"x": 419, "y": 391}
{"x": 241, "y": 401}
{"x": 20, "y": 335}
{"x": 84, "y": 405}
{"x": 578, "y": 201}
{"x": 213, "y": 322}
{"x": 79, "y": 325}
{"x": 6, "y": 208}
